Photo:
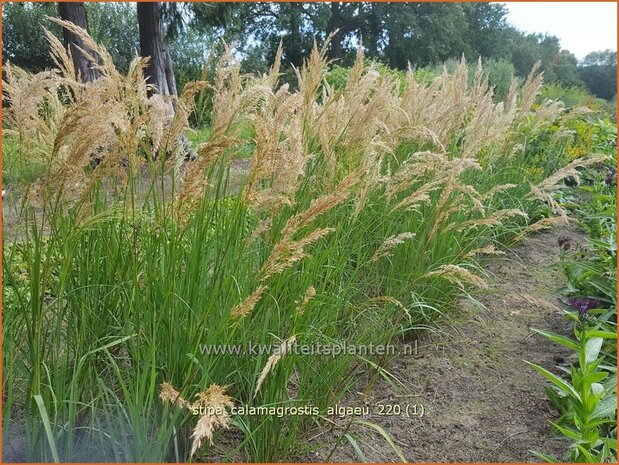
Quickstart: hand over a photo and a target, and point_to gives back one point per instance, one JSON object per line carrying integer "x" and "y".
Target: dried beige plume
{"x": 309, "y": 295}
{"x": 530, "y": 90}
{"x": 26, "y": 95}
{"x": 261, "y": 228}
{"x": 288, "y": 250}
{"x": 389, "y": 244}
{"x": 247, "y": 306}
{"x": 92, "y": 51}
{"x": 486, "y": 250}
{"x": 416, "y": 166}
{"x": 541, "y": 225}
{"x": 544, "y": 190}
{"x": 61, "y": 57}
{"x": 458, "y": 275}
{"x": 571, "y": 170}
{"x": 282, "y": 350}
{"x": 495, "y": 219}
{"x": 419, "y": 196}
{"x": 280, "y": 153}
{"x": 167, "y": 393}
{"x": 321, "y": 205}
{"x": 546, "y": 114}
{"x": 194, "y": 185}
{"x": 310, "y": 77}
{"x": 215, "y": 401}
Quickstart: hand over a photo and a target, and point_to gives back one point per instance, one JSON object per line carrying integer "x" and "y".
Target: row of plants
{"x": 499, "y": 73}
{"x": 585, "y": 393}
{"x": 367, "y": 210}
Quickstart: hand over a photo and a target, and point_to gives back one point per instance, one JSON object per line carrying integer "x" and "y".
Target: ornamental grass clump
{"x": 139, "y": 265}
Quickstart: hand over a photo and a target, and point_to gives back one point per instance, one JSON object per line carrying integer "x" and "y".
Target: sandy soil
{"x": 481, "y": 401}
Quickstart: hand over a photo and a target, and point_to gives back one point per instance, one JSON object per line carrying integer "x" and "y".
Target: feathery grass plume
{"x": 458, "y": 275}
{"x": 310, "y": 77}
{"x": 561, "y": 134}
{"x": 391, "y": 300}
{"x": 488, "y": 124}
{"x": 541, "y": 225}
{"x": 235, "y": 97}
{"x": 33, "y": 111}
{"x": 174, "y": 139}
{"x": 261, "y": 229}
{"x": 413, "y": 168}
{"x": 546, "y": 114}
{"x": 357, "y": 68}
{"x": 289, "y": 251}
{"x": 486, "y": 250}
{"x": 273, "y": 74}
{"x": 280, "y": 155}
{"x": 159, "y": 111}
{"x": 371, "y": 177}
{"x": 215, "y": 402}
{"x": 418, "y": 108}
{"x": 109, "y": 122}
{"x": 282, "y": 350}
{"x": 352, "y": 125}
{"x": 309, "y": 295}
{"x": 92, "y": 51}
{"x": 443, "y": 209}
{"x": 194, "y": 184}
{"x": 543, "y": 191}
{"x": 421, "y": 133}
{"x": 211, "y": 405}
{"x": 530, "y": 90}
{"x": 553, "y": 181}
{"x": 167, "y": 393}
{"x": 321, "y": 205}
{"x": 473, "y": 196}
{"x": 548, "y": 199}
{"x": 441, "y": 107}
{"x": 455, "y": 195}
{"x": 494, "y": 219}
{"x": 367, "y": 108}
{"x": 419, "y": 196}
{"x": 62, "y": 58}
{"x": 86, "y": 131}
{"x": 247, "y": 306}
{"x": 389, "y": 244}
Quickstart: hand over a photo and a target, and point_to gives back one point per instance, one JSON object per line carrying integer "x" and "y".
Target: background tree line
{"x": 396, "y": 34}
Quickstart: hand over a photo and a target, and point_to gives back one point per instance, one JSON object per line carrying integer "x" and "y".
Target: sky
{"x": 582, "y": 27}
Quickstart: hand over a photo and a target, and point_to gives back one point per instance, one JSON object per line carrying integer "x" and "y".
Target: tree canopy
{"x": 396, "y": 34}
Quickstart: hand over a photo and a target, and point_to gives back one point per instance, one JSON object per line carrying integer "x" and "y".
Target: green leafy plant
{"x": 587, "y": 398}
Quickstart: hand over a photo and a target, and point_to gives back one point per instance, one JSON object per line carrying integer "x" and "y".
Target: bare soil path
{"x": 481, "y": 402}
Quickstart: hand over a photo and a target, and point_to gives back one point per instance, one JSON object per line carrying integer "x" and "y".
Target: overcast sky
{"x": 583, "y": 27}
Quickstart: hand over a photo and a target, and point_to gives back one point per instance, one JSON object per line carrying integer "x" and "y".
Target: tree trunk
{"x": 373, "y": 28}
{"x": 335, "y": 23}
{"x": 293, "y": 41}
{"x": 393, "y": 50}
{"x": 75, "y": 12}
{"x": 159, "y": 72}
